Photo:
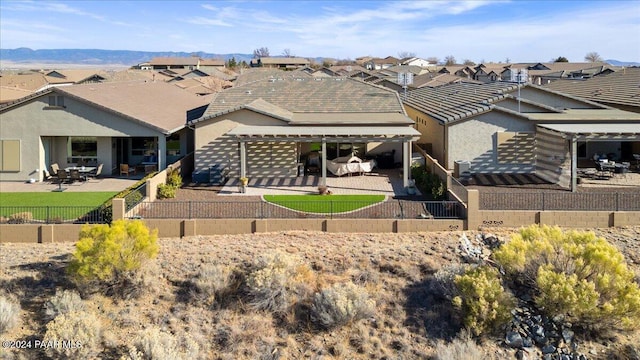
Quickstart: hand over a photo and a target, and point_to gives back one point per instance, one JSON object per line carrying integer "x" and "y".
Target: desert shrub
{"x": 341, "y": 304}
{"x": 443, "y": 282}
{"x": 278, "y": 281}
{"x": 9, "y": 313}
{"x": 428, "y": 183}
{"x": 213, "y": 282}
{"x": 485, "y": 304}
{"x": 78, "y": 328}
{"x": 155, "y": 344}
{"x": 20, "y": 218}
{"x": 463, "y": 347}
{"x": 174, "y": 179}
{"x": 166, "y": 191}
{"x": 111, "y": 257}
{"x": 63, "y": 302}
{"x": 575, "y": 275}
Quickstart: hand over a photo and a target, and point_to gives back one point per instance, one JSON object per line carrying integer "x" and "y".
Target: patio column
{"x": 162, "y": 152}
{"x": 243, "y": 159}
{"x": 574, "y": 164}
{"x": 406, "y": 160}
{"x": 323, "y": 161}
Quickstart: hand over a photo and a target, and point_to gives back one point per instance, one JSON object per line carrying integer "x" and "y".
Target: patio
{"x": 92, "y": 185}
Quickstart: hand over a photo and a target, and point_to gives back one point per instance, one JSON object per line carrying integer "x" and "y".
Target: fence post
{"x": 48, "y": 217}
{"x": 119, "y": 209}
{"x": 331, "y": 209}
{"x": 473, "y": 210}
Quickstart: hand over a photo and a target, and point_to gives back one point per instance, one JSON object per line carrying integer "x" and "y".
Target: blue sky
{"x": 481, "y": 31}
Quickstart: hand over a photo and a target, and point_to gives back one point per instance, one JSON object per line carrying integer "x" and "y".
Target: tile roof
{"x": 436, "y": 79}
{"x": 256, "y": 74}
{"x": 283, "y": 60}
{"x": 157, "y": 104}
{"x": 309, "y": 95}
{"x": 619, "y": 88}
{"x": 175, "y": 61}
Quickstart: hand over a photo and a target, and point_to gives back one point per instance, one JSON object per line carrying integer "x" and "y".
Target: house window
{"x": 173, "y": 145}
{"x": 9, "y": 155}
{"x": 82, "y": 148}
{"x": 143, "y": 146}
{"x": 56, "y": 101}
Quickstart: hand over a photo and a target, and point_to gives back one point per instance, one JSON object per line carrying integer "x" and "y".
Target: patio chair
{"x": 125, "y": 169}
{"x": 95, "y": 173}
{"x": 74, "y": 175}
{"x": 62, "y": 177}
{"x": 54, "y": 169}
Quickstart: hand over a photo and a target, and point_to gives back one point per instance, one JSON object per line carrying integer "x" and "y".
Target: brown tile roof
{"x": 212, "y": 62}
{"x": 157, "y": 104}
{"x": 75, "y": 75}
{"x": 175, "y": 61}
{"x": 619, "y": 88}
{"x": 255, "y": 74}
{"x": 29, "y": 82}
{"x": 284, "y": 61}
{"x": 311, "y": 95}
{"x": 436, "y": 80}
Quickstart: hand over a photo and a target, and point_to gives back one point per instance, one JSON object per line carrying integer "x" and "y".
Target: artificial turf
{"x": 66, "y": 205}
{"x": 324, "y": 204}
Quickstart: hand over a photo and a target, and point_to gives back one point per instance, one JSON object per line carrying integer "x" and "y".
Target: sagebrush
{"x": 111, "y": 257}
{"x": 575, "y": 275}
{"x": 341, "y": 304}
{"x": 83, "y": 331}
{"x": 63, "y": 302}
{"x": 462, "y": 347}
{"x": 213, "y": 282}
{"x": 9, "y": 313}
{"x": 153, "y": 343}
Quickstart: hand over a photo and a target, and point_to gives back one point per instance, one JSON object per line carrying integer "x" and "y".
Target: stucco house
{"x": 269, "y": 128}
{"x": 108, "y": 123}
{"x": 519, "y": 128}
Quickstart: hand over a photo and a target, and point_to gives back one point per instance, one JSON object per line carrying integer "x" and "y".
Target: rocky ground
{"x": 409, "y": 323}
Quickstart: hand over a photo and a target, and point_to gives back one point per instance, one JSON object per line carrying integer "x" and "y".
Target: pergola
{"x": 592, "y": 132}
{"x": 328, "y": 134}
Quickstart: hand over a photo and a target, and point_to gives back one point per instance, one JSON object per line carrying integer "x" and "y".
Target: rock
{"x": 538, "y": 330}
{"x": 514, "y": 340}
{"x": 527, "y": 342}
{"x": 547, "y": 357}
{"x": 567, "y": 335}
{"x": 565, "y": 357}
{"x": 548, "y": 349}
{"x": 521, "y": 355}
{"x": 541, "y": 340}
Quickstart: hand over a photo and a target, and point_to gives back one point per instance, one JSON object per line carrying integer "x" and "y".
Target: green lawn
{"x": 11, "y": 203}
{"x": 324, "y": 204}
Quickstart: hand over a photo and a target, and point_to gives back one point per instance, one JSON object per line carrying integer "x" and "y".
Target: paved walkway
{"x": 92, "y": 185}
{"x": 384, "y": 182}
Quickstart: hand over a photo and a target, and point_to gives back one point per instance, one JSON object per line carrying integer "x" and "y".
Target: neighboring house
{"x": 545, "y": 73}
{"x": 16, "y": 86}
{"x": 288, "y": 63}
{"x": 463, "y": 71}
{"x": 620, "y": 89}
{"x": 109, "y": 123}
{"x": 509, "y": 128}
{"x": 415, "y": 61}
{"x": 379, "y": 64}
{"x": 436, "y": 80}
{"x": 189, "y": 62}
{"x": 267, "y": 128}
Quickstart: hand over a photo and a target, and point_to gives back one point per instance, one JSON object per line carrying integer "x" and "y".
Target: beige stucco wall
{"x": 475, "y": 140}
{"x": 213, "y": 147}
{"x": 30, "y": 121}
{"x": 431, "y": 132}
{"x": 550, "y": 99}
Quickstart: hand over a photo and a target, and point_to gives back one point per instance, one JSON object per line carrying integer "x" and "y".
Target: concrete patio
{"x": 93, "y": 185}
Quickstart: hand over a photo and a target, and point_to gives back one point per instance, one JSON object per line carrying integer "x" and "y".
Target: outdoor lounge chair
{"x": 54, "y": 169}
{"x": 94, "y": 174}
{"x": 125, "y": 169}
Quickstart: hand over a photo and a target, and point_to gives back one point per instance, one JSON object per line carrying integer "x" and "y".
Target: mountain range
{"x": 129, "y": 57}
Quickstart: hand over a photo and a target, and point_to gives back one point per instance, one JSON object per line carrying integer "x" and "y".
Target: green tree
{"x": 561, "y": 59}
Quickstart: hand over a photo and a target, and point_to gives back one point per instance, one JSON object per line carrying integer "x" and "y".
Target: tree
{"x": 433, "y": 60}
{"x": 468, "y": 62}
{"x": 406, "y": 54}
{"x": 593, "y": 57}
{"x": 287, "y": 53}
{"x": 507, "y": 60}
{"x": 449, "y": 60}
{"x": 261, "y": 52}
{"x": 231, "y": 63}
{"x": 561, "y": 59}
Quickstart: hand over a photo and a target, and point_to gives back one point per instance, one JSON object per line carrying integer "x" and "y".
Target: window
{"x": 10, "y": 155}
{"x": 82, "y": 148}
{"x": 173, "y": 145}
{"x": 56, "y": 101}
{"x": 143, "y": 146}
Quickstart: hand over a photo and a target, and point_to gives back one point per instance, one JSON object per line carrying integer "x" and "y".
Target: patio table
{"x": 81, "y": 169}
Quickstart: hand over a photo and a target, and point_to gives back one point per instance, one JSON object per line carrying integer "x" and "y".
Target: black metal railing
{"x": 396, "y": 209}
{"x": 628, "y": 201}
{"x": 135, "y": 197}
{"x": 52, "y": 215}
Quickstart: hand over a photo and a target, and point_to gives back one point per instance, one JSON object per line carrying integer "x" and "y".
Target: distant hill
{"x": 101, "y": 57}
{"x": 622, "y": 63}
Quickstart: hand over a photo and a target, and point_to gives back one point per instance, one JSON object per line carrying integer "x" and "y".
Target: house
{"x": 379, "y": 64}
{"x": 619, "y": 89}
{"x": 505, "y": 127}
{"x": 175, "y": 62}
{"x": 16, "y": 86}
{"x": 415, "y": 61}
{"x": 545, "y": 73}
{"x": 109, "y": 123}
{"x": 288, "y": 63}
{"x": 267, "y": 128}
{"x": 437, "y": 79}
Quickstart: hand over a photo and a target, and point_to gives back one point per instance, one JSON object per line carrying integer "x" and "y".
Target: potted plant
{"x": 244, "y": 181}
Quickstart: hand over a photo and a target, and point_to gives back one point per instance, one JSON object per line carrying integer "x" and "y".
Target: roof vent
{"x": 248, "y": 92}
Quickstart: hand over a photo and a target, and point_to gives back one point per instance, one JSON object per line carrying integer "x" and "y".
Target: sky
{"x": 479, "y": 30}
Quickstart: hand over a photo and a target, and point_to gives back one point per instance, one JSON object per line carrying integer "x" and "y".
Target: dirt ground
{"x": 394, "y": 268}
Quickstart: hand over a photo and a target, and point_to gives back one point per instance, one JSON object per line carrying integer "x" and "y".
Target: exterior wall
{"x": 31, "y": 121}
{"x": 431, "y": 132}
{"x": 376, "y": 148}
{"x": 550, "y": 99}
{"x": 512, "y": 104}
{"x": 271, "y": 159}
{"x": 213, "y": 147}
{"x": 476, "y": 140}
{"x": 553, "y": 157}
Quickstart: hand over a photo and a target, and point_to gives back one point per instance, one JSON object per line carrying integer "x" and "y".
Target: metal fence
{"x": 52, "y": 215}
{"x": 561, "y": 201}
{"x": 397, "y": 209}
{"x": 135, "y": 197}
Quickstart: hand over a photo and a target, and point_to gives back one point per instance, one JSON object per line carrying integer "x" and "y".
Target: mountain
{"x": 101, "y": 57}
{"x": 622, "y": 63}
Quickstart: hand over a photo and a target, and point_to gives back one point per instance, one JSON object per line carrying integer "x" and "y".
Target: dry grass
{"x": 396, "y": 270}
